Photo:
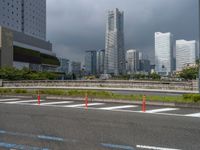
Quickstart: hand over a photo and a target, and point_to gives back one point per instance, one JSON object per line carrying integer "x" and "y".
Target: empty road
{"x": 67, "y": 125}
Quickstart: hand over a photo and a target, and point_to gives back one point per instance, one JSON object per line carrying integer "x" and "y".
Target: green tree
{"x": 9, "y": 73}
{"x": 189, "y": 73}
{"x": 154, "y": 76}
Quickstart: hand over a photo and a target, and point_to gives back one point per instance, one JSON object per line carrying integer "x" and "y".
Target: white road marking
{"x": 13, "y": 99}
{"x": 54, "y": 103}
{"x": 140, "y": 112}
{"x": 82, "y": 105}
{"x": 118, "y": 107}
{"x": 161, "y": 110}
{"x": 154, "y": 148}
{"x": 155, "y": 111}
{"x": 25, "y": 101}
{"x": 193, "y": 115}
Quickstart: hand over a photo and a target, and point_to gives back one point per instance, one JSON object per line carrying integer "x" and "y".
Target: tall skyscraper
{"x": 114, "y": 48}
{"x": 100, "y": 61}
{"x": 163, "y": 53}
{"x": 132, "y": 57}
{"x": 186, "y": 53}
{"x": 91, "y": 62}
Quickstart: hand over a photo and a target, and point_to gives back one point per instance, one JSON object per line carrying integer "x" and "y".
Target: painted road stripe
{"x": 118, "y": 107}
{"x": 82, "y": 105}
{"x": 193, "y": 115}
{"x": 54, "y": 103}
{"x": 161, "y": 110}
{"x": 43, "y": 137}
{"x": 20, "y": 147}
{"x": 154, "y": 148}
{"x": 13, "y": 99}
{"x": 122, "y": 147}
{"x": 25, "y": 101}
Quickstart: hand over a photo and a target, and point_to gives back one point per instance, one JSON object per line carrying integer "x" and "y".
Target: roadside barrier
{"x": 144, "y": 103}
{"x": 86, "y": 101}
{"x": 38, "y": 97}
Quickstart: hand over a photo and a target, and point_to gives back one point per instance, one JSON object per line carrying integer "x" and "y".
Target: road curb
{"x": 18, "y": 96}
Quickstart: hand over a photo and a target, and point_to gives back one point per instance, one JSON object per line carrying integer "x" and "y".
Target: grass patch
{"x": 194, "y": 97}
{"x": 186, "y": 98}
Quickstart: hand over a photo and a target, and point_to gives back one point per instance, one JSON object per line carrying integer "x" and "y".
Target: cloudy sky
{"x": 74, "y": 26}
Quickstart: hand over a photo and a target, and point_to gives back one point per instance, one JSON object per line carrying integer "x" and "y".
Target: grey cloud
{"x": 78, "y": 25}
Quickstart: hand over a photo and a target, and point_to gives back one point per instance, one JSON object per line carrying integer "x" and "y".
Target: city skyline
{"x": 71, "y": 37}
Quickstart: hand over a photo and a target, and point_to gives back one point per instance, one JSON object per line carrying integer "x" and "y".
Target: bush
{"x": 3, "y": 91}
{"x": 194, "y": 97}
{"x": 20, "y": 91}
{"x": 51, "y": 92}
{"x": 8, "y": 73}
{"x": 189, "y": 73}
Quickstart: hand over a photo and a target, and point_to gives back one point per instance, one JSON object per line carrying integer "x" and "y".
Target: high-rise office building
{"x": 144, "y": 64}
{"x": 163, "y": 53}
{"x": 27, "y": 16}
{"x": 132, "y": 58}
{"x": 100, "y": 61}
{"x": 76, "y": 67}
{"x": 23, "y": 35}
{"x": 114, "y": 47}
{"x": 91, "y": 62}
{"x": 186, "y": 53}
{"x": 64, "y": 65}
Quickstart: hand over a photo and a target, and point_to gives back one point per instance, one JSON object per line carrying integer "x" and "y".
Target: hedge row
{"x": 194, "y": 97}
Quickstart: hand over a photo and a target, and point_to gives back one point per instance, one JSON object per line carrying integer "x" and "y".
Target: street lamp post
{"x": 199, "y": 47}
{"x": 199, "y": 79}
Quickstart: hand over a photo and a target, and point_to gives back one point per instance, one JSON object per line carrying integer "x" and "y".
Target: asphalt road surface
{"x": 68, "y": 125}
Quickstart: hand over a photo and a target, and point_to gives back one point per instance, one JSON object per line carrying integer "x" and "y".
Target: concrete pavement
{"x": 56, "y": 126}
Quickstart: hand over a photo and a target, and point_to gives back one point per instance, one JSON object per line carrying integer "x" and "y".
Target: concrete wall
{"x": 161, "y": 85}
{"x": 6, "y": 47}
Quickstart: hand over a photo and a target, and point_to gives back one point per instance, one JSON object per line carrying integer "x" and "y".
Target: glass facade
{"x": 100, "y": 61}
{"x": 91, "y": 62}
{"x": 163, "y": 53}
{"x": 186, "y": 53}
{"x": 132, "y": 57}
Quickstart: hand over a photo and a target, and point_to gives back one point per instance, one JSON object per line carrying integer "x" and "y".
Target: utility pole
{"x": 199, "y": 45}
